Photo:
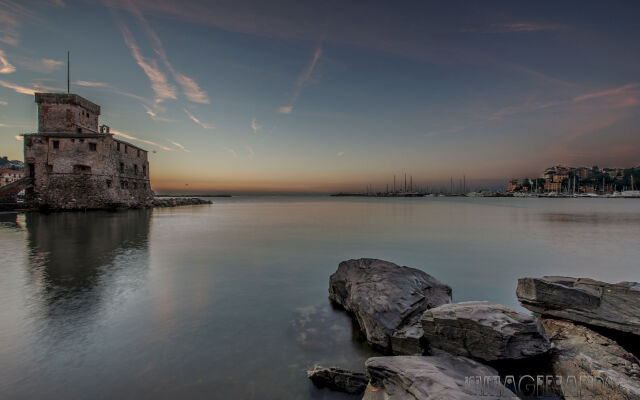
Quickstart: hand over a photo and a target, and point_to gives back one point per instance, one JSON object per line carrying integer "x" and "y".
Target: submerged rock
{"x": 338, "y": 379}
{"x": 384, "y": 296}
{"x": 602, "y": 369}
{"x": 424, "y": 378}
{"x": 484, "y": 330}
{"x": 612, "y": 306}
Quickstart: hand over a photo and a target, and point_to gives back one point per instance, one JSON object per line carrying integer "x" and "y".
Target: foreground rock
{"x": 441, "y": 377}
{"x": 384, "y": 297}
{"x": 580, "y": 352}
{"x": 484, "y": 330}
{"x": 613, "y": 306}
{"x": 338, "y": 379}
{"x": 178, "y": 201}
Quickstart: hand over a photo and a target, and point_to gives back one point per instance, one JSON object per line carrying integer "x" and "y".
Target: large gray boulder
{"x": 613, "y": 306}
{"x": 483, "y": 330}
{"x": 584, "y": 354}
{"x": 384, "y": 296}
{"x": 427, "y": 378}
{"x": 338, "y": 379}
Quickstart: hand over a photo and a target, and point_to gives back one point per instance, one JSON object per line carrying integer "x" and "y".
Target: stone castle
{"x": 71, "y": 163}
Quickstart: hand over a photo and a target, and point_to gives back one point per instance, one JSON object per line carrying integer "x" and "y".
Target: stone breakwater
{"x": 178, "y": 201}
{"x": 576, "y": 345}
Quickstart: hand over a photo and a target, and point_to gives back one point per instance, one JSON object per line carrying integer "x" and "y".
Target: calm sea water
{"x": 229, "y": 301}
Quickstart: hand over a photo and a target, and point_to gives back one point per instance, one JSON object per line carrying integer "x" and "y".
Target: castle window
{"x": 144, "y": 170}
{"x": 56, "y": 144}
{"x": 138, "y": 152}
{"x": 135, "y": 185}
{"x": 108, "y": 183}
{"x": 135, "y": 169}
{"x": 124, "y": 184}
{"x": 121, "y": 167}
{"x": 49, "y": 168}
{"x": 125, "y": 148}
{"x": 79, "y": 130}
{"x": 81, "y": 169}
{"x": 93, "y": 146}
{"x": 118, "y": 146}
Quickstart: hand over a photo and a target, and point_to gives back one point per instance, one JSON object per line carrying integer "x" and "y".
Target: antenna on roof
{"x": 68, "y": 81}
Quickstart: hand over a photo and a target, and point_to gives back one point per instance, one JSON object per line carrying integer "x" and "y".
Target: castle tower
{"x": 66, "y": 112}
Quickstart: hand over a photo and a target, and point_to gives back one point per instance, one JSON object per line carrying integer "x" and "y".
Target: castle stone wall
{"x": 88, "y": 171}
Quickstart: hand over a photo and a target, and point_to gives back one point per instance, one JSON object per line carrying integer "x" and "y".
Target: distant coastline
{"x": 193, "y": 195}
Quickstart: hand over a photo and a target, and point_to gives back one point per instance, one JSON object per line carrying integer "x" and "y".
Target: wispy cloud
{"x": 251, "y": 152}
{"x": 619, "y": 97}
{"x": 340, "y": 154}
{"x": 3, "y": 103}
{"x": 41, "y": 65}
{"x": 285, "y": 109}
{"x": 179, "y": 146}
{"x": 5, "y": 65}
{"x": 254, "y": 126}
{"x": 90, "y": 84}
{"x": 527, "y": 27}
{"x": 515, "y": 27}
{"x": 159, "y": 83}
{"x": 9, "y": 22}
{"x": 454, "y": 129}
{"x": 231, "y": 151}
{"x": 302, "y": 81}
{"x": 197, "y": 121}
{"x": 606, "y": 93}
{"x": 50, "y": 65}
{"x": 190, "y": 88}
{"x": 17, "y": 88}
{"x": 127, "y": 136}
{"x": 154, "y": 115}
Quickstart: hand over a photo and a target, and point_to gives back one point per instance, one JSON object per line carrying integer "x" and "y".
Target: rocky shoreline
{"x": 178, "y": 201}
{"x": 156, "y": 202}
{"x": 436, "y": 349}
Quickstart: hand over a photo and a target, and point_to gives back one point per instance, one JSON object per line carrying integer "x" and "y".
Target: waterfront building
{"x": 8, "y": 176}
{"x": 71, "y": 163}
{"x": 513, "y": 185}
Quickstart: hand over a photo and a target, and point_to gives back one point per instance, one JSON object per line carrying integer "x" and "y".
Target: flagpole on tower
{"x": 68, "y": 81}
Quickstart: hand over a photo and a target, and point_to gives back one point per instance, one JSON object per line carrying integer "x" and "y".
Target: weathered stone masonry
{"x": 75, "y": 165}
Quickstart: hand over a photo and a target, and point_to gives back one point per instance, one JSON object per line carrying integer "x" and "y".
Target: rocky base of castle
{"x": 485, "y": 350}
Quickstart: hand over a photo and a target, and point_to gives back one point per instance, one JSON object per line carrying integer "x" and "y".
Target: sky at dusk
{"x": 333, "y": 95}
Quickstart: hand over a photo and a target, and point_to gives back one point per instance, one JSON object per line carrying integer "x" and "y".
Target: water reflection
{"x": 71, "y": 255}
{"x": 9, "y": 220}
{"x": 592, "y": 218}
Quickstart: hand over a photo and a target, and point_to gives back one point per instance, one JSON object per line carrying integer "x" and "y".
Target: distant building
{"x": 559, "y": 178}
{"x": 8, "y": 176}
{"x": 552, "y": 186}
{"x": 73, "y": 164}
{"x": 513, "y": 185}
{"x": 584, "y": 173}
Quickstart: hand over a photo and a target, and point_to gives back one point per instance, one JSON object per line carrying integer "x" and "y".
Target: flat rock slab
{"x": 613, "y": 306}
{"x": 484, "y": 330}
{"x": 384, "y": 296}
{"x": 580, "y": 352}
{"x": 338, "y": 379}
{"x": 430, "y": 378}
